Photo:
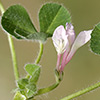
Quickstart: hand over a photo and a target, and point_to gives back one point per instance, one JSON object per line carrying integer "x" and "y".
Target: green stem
{"x": 45, "y": 90}
{"x": 58, "y": 78}
{"x": 16, "y": 73}
{"x": 86, "y": 90}
{"x": 1, "y": 7}
{"x": 48, "y": 89}
{"x": 38, "y": 57}
{"x": 40, "y": 53}
{"x": 11, "y": 49}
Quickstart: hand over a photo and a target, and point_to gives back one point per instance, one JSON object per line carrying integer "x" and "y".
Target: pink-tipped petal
{"x": 63, "y": 63}
{"x": 60, "y": 40}
{"x": 70, "y": 32}
{"x": 81, "y": 39}
{"x": 58, "y": 62}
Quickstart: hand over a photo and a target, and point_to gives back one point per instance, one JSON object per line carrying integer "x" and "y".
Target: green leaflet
{"x": 52, "y": 15}
{"x": 34, "y": 72}
{"x": 31, "y": 90}
{"x": 95, "y": 39}
{"x": 19, "y": 96}
{"x": 22, "y": 83}
{"x": 27, "y": 86}
{"x": 17, "y": 22}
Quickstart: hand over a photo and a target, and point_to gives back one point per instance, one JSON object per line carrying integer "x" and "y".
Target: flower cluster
{"x": 66, "y": 44}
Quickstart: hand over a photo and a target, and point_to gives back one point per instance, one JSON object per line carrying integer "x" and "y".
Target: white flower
{"x": 60, "y": 39}
{"x": 66, "y": 44}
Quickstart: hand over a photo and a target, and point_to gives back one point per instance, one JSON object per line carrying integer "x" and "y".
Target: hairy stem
{"x": 48, "y": 89}
{"x": 16, "y": 73}
{"x": 58, "y": 78}
{"x": 38, "y": 57}
{"x": 1, "y": 7}
{"x": 45, "y": 90}
{"x": 11, "y": 49}
{"x": 40, "y": 53}
{"x": 81, "y": 92}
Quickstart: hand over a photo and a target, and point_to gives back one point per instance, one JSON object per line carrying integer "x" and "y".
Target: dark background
{"x": 82, "y": 71}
